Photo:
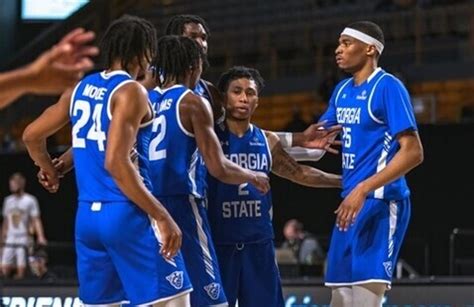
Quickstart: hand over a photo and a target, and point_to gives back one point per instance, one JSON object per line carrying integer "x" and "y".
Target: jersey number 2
{"x": 153, "y": 152}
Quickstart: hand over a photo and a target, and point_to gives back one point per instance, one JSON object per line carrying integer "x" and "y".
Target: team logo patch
{"x": 176, "y": 279}
{"x": 388, "y": 268}
{"x": 213, "y": 290}
{"x": 362, "y": 96}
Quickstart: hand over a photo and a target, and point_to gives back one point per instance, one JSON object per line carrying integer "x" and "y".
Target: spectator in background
{"x": 20, "y": 212}
{"x": 38, "y": 262}
{"x": 305, "y": 246}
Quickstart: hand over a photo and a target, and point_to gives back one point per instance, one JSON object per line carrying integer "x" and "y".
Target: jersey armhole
{"x": 178, "y": 118}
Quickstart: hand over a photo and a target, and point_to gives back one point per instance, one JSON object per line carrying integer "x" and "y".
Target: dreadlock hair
{"x": 127, "y": 38}
{"x": 369, "y": 28}
{"x": 176, "y": 24}
{"x": 238, "y": 72}
{"x": 176, "y": 56}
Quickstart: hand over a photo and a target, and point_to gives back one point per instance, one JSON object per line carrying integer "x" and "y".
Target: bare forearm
{"x": 38, "y": 152}
{"x": 68, "y": 161}
{"x": 316, "y": 178}
{"x": 13, "y": 84}
{"x": 39, "y": 228}
{"x": 231, "y": 173}
{"x": 132, "y": 186}
{"x": 401, "y": 164}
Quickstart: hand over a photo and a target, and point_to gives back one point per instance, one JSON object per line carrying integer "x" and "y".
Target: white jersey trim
{"x": 153, "y": 114}
{"x": 382, "y": 163}
{"x": 360, "y": 282}
{"x": 178, "y": 119}
{"x": 192, "y": 172}
{"x": 393, "y": 226}
{"x": 71, "y": 103}
{"x": 340, "y": 90}
{"x": 268, "y": 151}
{"x": 373, "y": 74}
{"x": 369, "y": 102}
{"x": 107, "y": 75}
{"x": 203, "y": 241}
{"x": 109, "y": 100}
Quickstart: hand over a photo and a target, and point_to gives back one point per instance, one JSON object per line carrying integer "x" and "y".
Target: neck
{"x": 18, "y": 193}
{"x": 237, "y": 126}
{"x": 169, "y": 83}
{"x": 363, "y": 74}
{"x": 116, "y": 65}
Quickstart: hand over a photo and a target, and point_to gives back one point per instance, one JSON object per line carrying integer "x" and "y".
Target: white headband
{"x": 364, "y": 38}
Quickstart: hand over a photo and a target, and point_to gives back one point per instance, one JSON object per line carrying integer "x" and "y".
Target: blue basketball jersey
{"x": 240, "y": 213}
{"x": 90, "y": 117}
{"x": 202, "y": 90}
{"x": 175, "y": 162}
{"x": 371, "y": 114}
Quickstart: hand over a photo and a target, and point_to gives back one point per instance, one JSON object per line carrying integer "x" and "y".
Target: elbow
{"x": 419, "y": 156}
{"x": 28, "y": 136}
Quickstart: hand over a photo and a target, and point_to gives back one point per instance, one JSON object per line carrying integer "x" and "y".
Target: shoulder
{"x": 272, "y": 138}
{"x": 389, "y": 81}
{"x": 29, "y": 197}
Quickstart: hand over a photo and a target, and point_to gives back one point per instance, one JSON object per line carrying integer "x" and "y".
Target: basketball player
{"x": 196, "y": 28}
{"x": 121, "y": 229}
{"x": 53, "y": 71}
{"x": 183, "y": 125}
{"x": 380, "y": 145}
{"x": 20, "y": 211}
{"x": 240, "y": 216}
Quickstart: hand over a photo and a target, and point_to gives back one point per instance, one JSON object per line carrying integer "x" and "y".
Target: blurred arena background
{"x": 430, "y": 46}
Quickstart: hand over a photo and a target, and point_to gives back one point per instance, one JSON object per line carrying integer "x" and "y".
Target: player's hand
{"x": 318, "y": 137}
{"x": 64, "y": 64}
{"x": 261, "y": 182}
{"x": 171, "y": 236}
{"x": 43, "y": 179}
{"x": 42, "y": 241}
{"x": 350, "y": 208}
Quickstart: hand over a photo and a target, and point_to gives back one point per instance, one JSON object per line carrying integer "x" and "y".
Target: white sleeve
{"x": 286, "y": 139}
{"x": 305, "y": 154}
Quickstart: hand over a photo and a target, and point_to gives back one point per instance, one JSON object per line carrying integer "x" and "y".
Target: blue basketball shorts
{"x": 199, "y": 255}
{"x": 118, "y": 259}
{"x": 250, "y": 274}
{"x": 367, "y": 252}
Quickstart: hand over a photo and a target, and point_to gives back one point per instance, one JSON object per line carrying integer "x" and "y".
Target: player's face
{"x": 195, "y": 75}
{"x": 351, "y": 54}
{"x": 17, "y": 184}
{"x": 196, "y": 32}
{"x": 241, "y": 98}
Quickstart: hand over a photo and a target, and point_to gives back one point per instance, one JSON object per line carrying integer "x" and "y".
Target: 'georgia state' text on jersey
{"x": 90, "y": 113}
{"x": 371, "y": 115}
{"x": 175, "y": 161}
{"x": 240, "y": 213}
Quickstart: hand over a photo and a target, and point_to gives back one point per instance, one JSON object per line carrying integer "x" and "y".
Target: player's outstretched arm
{"x": 314, "y": 137}
{"x": 129, "y": 107}
{"x": 198, "y": 113}
{"x": 36, "y": 133}
{"x": 285, "y": 166}
{"x": 55, "y": 70}
{"x": 407, "y": 157}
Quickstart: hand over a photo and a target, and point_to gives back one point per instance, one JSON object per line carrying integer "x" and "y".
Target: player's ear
{"x": 371, "y": 50}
